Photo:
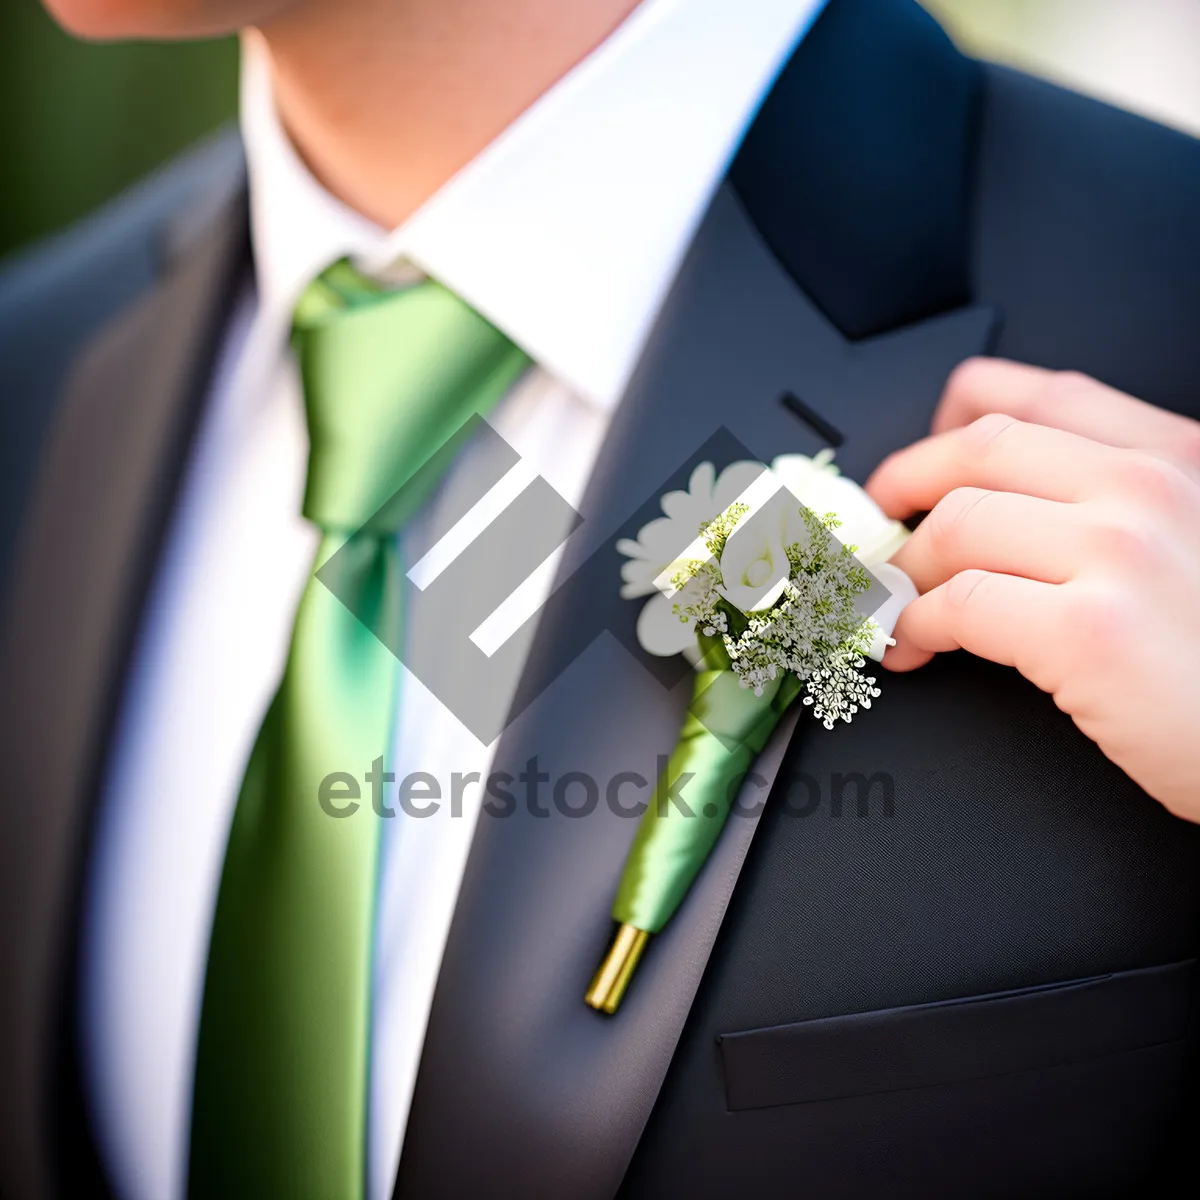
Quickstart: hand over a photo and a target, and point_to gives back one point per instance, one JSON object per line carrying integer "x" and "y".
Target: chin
{"x": 103, "y": 20}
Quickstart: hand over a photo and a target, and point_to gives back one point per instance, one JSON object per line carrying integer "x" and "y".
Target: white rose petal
{"x": 817, "y": 484}
{"x": 754, "y": 563}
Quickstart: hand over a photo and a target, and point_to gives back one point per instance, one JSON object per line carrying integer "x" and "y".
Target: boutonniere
{"x": 758, "y": 576}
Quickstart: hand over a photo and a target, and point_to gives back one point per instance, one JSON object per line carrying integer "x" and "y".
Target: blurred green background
{"x": 82, "y": 121}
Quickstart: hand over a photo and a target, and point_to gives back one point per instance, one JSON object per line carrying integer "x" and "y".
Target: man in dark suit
{"x": 626, "y": 232}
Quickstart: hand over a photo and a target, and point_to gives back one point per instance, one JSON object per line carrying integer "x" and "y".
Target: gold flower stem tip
{"x": 611, "y": 980}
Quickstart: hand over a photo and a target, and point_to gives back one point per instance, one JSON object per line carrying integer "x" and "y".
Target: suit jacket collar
{"x": 860, "y": 169}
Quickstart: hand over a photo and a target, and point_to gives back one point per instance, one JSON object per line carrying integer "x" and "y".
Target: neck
{"x": 387, "y": 99}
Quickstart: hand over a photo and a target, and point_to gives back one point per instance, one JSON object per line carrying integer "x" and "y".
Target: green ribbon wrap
{"x": 725, "y": 729}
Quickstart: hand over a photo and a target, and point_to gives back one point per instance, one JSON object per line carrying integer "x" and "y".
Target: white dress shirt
{"x": 566, "y": 233}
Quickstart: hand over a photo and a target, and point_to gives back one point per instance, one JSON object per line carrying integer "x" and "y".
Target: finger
{"x": 998, "y": 453}
{"x": 1009, "y": 620}
{"x": 1066, "y": 400}
{"x": 995, "y": 531}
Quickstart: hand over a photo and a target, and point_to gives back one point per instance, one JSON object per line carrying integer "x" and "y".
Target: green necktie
{"x": 281, "y": 1073}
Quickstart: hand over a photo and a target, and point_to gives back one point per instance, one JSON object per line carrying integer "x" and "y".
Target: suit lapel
{"x": 522, "y": 1088}
{"x": 100, "y": 505}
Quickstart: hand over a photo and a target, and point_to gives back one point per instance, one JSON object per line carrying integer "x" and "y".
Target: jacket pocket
{"x": 952, "y": 1041}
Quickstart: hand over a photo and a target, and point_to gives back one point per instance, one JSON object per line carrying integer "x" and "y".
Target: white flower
{"x": 661, "y": 631}
{"x": 820, "y": 486}
{"x": 754, "y": 563}
{"x": 668, "y": 543}
{"x": 753, "y": 569}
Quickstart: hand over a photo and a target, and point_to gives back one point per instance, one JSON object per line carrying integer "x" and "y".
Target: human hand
{"x": 1063, "y": 539}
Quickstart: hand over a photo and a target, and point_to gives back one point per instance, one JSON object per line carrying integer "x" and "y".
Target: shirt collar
{"x": 567, "y": 230}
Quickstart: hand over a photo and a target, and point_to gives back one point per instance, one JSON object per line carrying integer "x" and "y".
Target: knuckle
{"x": 1129, "y": 543}
{"x": 963, "y": 587}
{"x": 965, "y": 383}
{"x": 1062, "y": 389}
{"x": 981, "y": 436}
{"x": 1101, "y": 620}
{"x": 948, "y": 522}
{"x": 1154, "y": 482}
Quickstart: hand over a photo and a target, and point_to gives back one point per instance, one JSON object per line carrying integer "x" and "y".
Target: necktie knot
{"x": 389, "y": 378}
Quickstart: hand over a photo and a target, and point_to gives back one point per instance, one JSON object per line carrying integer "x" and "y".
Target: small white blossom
{"x": 838, "y": 690}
